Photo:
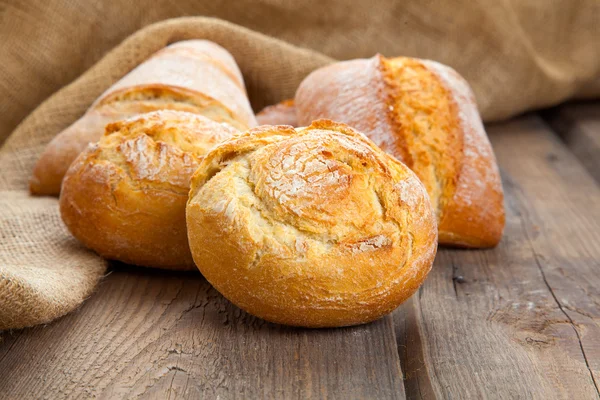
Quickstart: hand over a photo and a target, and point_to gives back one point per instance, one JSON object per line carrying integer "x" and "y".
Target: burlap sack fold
{"x": 517, "y": 54}
{"x": 44, "y": 272}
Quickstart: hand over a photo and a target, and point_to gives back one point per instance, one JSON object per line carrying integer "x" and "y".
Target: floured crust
{"x": 312, "y": 227}
{"x": 424, "y": 114}
{"x": 124, "y": 197}
{"x": 283, "y": 113}
{"x": 155, "y": 97}
{"x": 474, "y": 215}
{"x": 196, "y": 76}
{"x": 209, "y": 50}
{"x": 196, "y": 65}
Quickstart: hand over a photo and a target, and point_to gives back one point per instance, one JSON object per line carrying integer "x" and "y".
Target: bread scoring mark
{"x": 478, "y": 155}
{"x": 162, "y": 147}
{"x": 370, "y": 244}
{"x": 423, "y": 113}
{"x": 220, "y": 206}
{"x": 299, "y": 174}
{"x": 172, "y": 70}
{"x": 407, "y": 195}
{"x": 143, "y": 154}
{"x": 324, "y": 186}
{"x": 135, "y": 100}
{"x": 146, "y": 160}
{"x": 301, "y": 246}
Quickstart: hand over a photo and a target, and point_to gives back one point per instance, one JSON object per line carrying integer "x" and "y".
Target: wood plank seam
{"x": 557, "y": 156}
{"x": 429, "y": 371}
{"x": 160, "y": 335}
{"x": 392, "y": 326}
{"x": 536, "y": 257}
{"x": 528, "y": 345}
{"x": 411, "y": 354}
{"x": 11, "y": 345}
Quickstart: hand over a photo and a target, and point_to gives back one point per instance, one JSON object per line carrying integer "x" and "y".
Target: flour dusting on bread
{"x": 314, "y": 226}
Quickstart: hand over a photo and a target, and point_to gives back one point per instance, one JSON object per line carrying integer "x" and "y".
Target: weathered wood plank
{"x": 168, "y": 335}
{"x": 521, "y": 320}
{"x": 578, "y": 125}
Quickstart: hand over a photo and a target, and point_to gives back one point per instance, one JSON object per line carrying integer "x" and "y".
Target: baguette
{"x": 425, "y": 114}
{"x": 196, "y": 76}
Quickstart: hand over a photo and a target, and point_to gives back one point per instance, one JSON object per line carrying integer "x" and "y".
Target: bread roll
{"x": 313, "y": 227}
{"x": 124, "y": 197}
{"x": 283, "y": 113}
{"x": 195, "y": 75}
{"x": 425, "y": 114}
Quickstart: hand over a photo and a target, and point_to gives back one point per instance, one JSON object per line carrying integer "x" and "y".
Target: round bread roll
{"x": 313, "y": 227}
{"x": 124, "y": 197}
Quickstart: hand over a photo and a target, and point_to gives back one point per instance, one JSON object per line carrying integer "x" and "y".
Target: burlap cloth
{"x": 518, "y": 55}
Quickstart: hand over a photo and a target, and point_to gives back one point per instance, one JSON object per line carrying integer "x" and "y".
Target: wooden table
{"x": 518, "y": 321}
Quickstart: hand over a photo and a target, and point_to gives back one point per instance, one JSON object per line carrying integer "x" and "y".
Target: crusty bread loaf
{"x": 195, "y": 75}
{"x": 312, "y": 227}
{"x": 124, "y": 197}
{"x": 425, "y": 114}
{"x": 283, "y": 113}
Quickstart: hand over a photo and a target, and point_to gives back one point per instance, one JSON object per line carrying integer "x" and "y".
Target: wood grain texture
{"x": 170, "y": 335}
{"x": 521, "y": 320}
{"x": 578, "y": 125}
{"x": 518, "y": 321}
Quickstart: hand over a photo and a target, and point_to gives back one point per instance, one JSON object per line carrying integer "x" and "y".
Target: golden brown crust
{"x": 211, "y": 52}
{"x": 154, "y": 97}
{"x": 124, "y": 197}
{"x": 423, "y": 113}
{"x": 196, "y": 76}
{"x": 474, "y": 216}
{"x": 196, "y": 65}
{"x": 311, "y": 227}
{"x": 283, "y": 113}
